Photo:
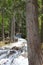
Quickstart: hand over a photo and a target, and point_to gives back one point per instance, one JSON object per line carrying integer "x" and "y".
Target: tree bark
{"x": 3, "y": 25}
{"x": 33, "y": 32}
{"x": 13, "y": 29}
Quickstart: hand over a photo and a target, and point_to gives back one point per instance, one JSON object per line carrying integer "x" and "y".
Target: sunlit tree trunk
{"x": 33, "y": 32}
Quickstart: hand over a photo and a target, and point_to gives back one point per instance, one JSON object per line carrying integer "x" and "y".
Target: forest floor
{"x": 2, "y": 43}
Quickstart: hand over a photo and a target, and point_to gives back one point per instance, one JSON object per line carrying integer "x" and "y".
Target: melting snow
{"x": 13, "y": 57}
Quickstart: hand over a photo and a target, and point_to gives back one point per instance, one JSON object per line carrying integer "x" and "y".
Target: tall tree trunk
{"x": 32, "y": 32}
{"x": 13, "y": 29}
{"x": 3, "y": 26}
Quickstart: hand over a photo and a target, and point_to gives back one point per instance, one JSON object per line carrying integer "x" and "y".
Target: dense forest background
{"x": 16, "y": 8}
{"x": 26, "y": 19}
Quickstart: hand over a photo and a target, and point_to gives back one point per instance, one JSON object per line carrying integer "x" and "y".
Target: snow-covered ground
{"x": 14, "y": 61}
{"x": 11, "y": 56}
{"x": 20, "y": 61}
